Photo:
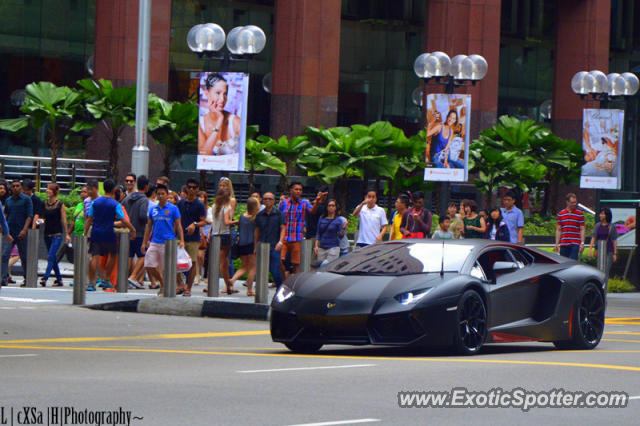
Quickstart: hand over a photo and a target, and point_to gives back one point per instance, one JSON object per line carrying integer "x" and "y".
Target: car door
{"x": 511, "y": 295}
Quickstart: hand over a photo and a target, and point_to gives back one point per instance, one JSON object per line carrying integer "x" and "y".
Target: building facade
{"x": 333, "y": 62}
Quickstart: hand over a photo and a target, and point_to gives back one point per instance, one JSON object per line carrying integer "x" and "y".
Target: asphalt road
{"x": 201, "y": 371}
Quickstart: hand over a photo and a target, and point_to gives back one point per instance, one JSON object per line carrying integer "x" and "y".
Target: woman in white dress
{"x": 218, "y": 130}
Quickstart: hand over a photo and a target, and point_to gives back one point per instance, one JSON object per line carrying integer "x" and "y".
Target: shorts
{"x": 192, "y": 248}
{"x": 293, "y": 248}
{"x": 328, "y": 254}
{"x": 225, "y": 240}
{"x": 245, "y": 250}
{"x": 155, "y": 256}
{"x": 103, "y": 249}
{"x": 135, "y": 248}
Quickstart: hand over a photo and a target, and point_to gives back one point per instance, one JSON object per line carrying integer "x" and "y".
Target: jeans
{"x": 53, "y": 244}
{"x": 6, "y": 254}
{"x": 274, "y": 266}
{"x": 571, "y": 251}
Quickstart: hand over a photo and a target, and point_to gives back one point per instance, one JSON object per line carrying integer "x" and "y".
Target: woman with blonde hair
{"x": 55, "y": 226}
{"x": 221, "y": 225}
{"x": 246, "y": 244}
{"x": 225, "y": 182}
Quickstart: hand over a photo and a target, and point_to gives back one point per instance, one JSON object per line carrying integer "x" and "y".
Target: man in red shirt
{"x": 570, "y": 229}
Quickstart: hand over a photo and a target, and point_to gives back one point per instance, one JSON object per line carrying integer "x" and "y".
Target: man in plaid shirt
{"x": 294, "y": 210}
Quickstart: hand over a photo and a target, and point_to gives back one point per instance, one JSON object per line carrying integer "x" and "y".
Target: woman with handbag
{"x": 221, "y": 225}
{"x": 246, "y": 245}
{"x": 55, "y": 226}
{"x": 331, "y": 227}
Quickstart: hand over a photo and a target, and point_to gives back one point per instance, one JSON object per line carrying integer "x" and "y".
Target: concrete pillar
{"x": 305, "y": 65}
{"x": 468, "y": 27}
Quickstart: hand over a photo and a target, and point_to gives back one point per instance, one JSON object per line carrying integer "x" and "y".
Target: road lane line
{"x": 17, "y": 355}
{"x": 621, "y": 340}
{"x": 634, "y": 397}
{"x": 141, "y": 337}
{"x": 622, "y": 332}
{"x": 340, "y": 422}
{"x": 349, "y": 357}
{"x": 26, "y": 300}
{"x": 307, "y": 368}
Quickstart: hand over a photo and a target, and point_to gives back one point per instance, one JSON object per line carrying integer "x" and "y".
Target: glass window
{"x": 402, "y": 259}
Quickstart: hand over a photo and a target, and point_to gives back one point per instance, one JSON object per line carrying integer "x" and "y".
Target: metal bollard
{"x": 262, "y": 273}
{"x": 306, "y": 249}
{"x": 80, "y": 262}
{"x": 31, "y": 268}
{"x": 170, "y": 263}
{"x": 123, "y": 262}
{"x": 602, "y": 255}
{"x": 213, "y": 285}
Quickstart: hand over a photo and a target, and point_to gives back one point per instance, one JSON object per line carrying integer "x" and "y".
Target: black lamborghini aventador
{"x": 458, "y": 293}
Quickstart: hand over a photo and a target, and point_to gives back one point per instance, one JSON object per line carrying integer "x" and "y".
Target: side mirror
{"x": 504, "y": 267}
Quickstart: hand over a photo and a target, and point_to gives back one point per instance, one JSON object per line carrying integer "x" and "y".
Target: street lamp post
{"x": 243, "y": 43}
{"x": 459, "y": 71}
{"x": 597, "y": 86}
{"x": 140, "y": 151}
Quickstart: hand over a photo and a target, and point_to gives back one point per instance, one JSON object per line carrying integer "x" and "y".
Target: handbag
{"x": 184, "y": 261}
{"x": 415, "y": 235}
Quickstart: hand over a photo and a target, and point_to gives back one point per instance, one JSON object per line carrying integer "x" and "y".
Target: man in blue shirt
{"x": 19, "y": 211}
{"x": 164, "y": 223}
{"x": 103, "y": 212}
{"x": 513, "y": 218}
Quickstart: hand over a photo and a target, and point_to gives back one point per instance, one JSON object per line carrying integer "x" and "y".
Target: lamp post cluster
{"x": 242, "y": 42}
{"x": 461, "y": 70}
{"x": 602, "y": 87}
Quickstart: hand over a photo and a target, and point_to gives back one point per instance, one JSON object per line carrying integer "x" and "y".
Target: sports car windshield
{"x": 402, "y": 259}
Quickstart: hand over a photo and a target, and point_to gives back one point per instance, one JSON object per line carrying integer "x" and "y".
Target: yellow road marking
{"x": 622, "y": 332}
{"x": 623, "y": 318}
{"x": 142, "y": 337}
{"x": 289, "y": 355}
{"x": 621, "y": 340}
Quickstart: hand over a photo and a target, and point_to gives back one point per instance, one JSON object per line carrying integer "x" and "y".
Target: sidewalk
{"x": 145, "y": 301}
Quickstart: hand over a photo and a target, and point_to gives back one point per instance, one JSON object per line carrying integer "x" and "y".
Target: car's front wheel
{"x": 303, "y": 347}
{"x": 588, "y": 320}
{"x": 471, "y": 324}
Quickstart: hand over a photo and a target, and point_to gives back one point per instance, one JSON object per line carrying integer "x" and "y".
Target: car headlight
{"x": 284, "y": 293}
{"x": 412, "y": 296}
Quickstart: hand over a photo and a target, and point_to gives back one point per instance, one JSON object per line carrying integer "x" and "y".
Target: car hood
{"x": 324, "y": 286}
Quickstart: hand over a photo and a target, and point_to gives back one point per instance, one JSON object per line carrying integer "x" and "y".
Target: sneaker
{"x": 134, "y": 284}
{"x": 91, "y": 288}
{"x": 100, "y": 283}
{"x": 110, "y": 290}
{"x": 106, "y": 285}
{"x": 71, "y": 284}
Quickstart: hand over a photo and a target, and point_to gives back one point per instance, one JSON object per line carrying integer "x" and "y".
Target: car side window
{"x": 519, "y": 258}
{"x": 487, "y": 259}
{"x": 478, "y": 272}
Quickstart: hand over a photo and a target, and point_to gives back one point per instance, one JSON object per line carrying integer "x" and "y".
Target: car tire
{"x": 588, "y": 320}
{"x": 303, "y": 347}
{"x": 471, "y": 324}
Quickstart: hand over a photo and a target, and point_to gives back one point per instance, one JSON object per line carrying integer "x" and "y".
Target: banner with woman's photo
{"x": 222, "y": 120}
{"x": 447, "y": 153}
{"x": 602, "y": 147}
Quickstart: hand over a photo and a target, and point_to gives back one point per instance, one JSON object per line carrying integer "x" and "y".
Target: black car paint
{"x": 360, "y": 303}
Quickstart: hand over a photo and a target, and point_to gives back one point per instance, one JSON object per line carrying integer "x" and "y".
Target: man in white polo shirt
{"x": 373, "y": 220}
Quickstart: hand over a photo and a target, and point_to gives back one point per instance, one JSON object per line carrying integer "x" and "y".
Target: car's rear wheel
{"x": 588, "y": 320}
{"x": 471, "y": 324}
{"x": 303, "y": 347}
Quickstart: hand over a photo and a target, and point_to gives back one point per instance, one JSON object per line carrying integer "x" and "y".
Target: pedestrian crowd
{"x": 151, "y": 214}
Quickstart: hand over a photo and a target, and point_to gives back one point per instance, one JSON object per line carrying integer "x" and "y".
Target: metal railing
{"x": 71, "y": 172}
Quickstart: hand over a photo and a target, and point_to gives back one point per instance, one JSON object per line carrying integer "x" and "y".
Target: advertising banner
{"x": 602, "y": 147}
{"x": 447, "y": 151}
{"x": 222, "y": 120}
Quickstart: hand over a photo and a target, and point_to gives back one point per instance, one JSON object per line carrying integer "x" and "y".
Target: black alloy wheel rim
{"x": 591, "y": 315}
{"x": 473, "y": 323}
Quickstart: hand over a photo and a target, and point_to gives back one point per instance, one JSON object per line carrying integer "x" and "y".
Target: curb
{"x": 189, "y": 307}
